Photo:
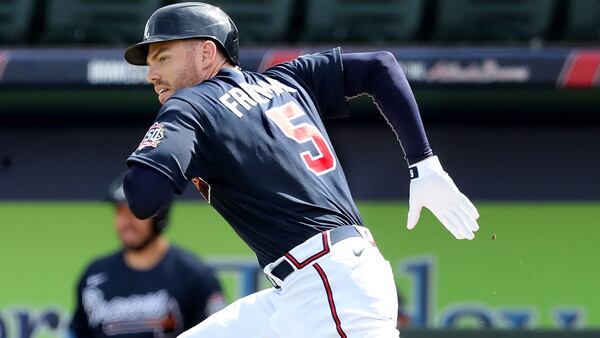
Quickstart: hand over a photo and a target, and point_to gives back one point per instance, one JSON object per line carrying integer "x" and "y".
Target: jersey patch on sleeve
{"x": 153, "y": 136}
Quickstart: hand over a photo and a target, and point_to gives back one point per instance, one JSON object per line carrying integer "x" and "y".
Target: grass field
{"x": 543, "y": 259}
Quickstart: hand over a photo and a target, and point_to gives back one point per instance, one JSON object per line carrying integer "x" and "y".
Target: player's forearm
{"x": 379, "y": 75}
{"x": 147, "y": 191}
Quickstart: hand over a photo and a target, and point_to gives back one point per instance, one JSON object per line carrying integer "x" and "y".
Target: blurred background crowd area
{"x": 300, "y": 22}
{"x": 491, "y": 77}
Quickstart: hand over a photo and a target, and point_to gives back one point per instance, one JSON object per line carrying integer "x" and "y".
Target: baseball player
{"x": 254, "y": 145}
{"x": 150, "y": 288}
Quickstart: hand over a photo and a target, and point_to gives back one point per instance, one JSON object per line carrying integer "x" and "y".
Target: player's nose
{"x": 152, "y": 76}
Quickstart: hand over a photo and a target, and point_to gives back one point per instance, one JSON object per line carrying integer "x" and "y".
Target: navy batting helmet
{"x": 185, "y": 21}
{"x": 117, "y": 195}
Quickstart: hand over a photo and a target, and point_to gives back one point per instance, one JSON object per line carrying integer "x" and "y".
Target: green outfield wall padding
{"x": 539, "y": 273}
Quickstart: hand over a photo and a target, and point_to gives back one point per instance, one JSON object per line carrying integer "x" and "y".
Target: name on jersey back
{"x": 249, "y": 95}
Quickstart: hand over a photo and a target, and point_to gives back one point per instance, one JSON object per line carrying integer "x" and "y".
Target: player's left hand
{"x": 432, "y": 188}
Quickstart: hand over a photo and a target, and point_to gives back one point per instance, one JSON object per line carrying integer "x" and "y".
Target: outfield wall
{"x": 539, "y": 272}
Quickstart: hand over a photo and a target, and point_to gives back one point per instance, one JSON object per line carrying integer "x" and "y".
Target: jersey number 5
{"x": 282, "y": 116}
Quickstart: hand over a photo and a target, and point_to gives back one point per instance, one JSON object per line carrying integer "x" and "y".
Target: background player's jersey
{"x": 115, "y": 301}
{"x": 255, "y": 146}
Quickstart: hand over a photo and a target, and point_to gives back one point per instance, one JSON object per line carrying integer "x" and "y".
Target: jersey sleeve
{"x": 170, "y": 145}
{"x": 208, "y": 294}
{"x": 321, "y": 74}
{"x": 79, "y": 326}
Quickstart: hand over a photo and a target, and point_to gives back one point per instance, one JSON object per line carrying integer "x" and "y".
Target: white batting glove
{"x": 432, "y": 188}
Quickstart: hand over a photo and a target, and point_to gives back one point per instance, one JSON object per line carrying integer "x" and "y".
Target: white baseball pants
{"x": 348, "y": 292}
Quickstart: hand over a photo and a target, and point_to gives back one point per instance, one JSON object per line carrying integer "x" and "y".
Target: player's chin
{"x": 164, "y": 96}
{"x": 133, "y": 245}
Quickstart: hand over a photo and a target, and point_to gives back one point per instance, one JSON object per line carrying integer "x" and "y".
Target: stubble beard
{"x": 189, "y": 76}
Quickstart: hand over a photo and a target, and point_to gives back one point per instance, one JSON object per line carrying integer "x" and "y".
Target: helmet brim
{"x": 137, "y": 54}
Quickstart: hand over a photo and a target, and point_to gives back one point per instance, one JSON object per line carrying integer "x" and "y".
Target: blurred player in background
{"x": 149, "y": 288}
{"x": 255, "y": 146}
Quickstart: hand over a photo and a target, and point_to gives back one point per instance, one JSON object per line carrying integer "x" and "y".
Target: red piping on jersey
{"x": 300, "y": 265}
{"x": 336, "y": 319}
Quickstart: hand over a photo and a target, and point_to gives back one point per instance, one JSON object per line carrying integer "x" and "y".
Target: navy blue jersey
{"x": 254, "y": 145}
{"x": 114, "y": 300}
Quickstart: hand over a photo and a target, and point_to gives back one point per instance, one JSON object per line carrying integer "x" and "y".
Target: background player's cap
{"x": 116, "y": 195}
{"x": 184, "y": 21}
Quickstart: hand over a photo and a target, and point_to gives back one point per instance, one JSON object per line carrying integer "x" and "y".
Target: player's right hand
{"x": 431, "y": 187}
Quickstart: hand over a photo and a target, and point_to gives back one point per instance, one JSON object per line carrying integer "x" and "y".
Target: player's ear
{"x": 208, "y": 52}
